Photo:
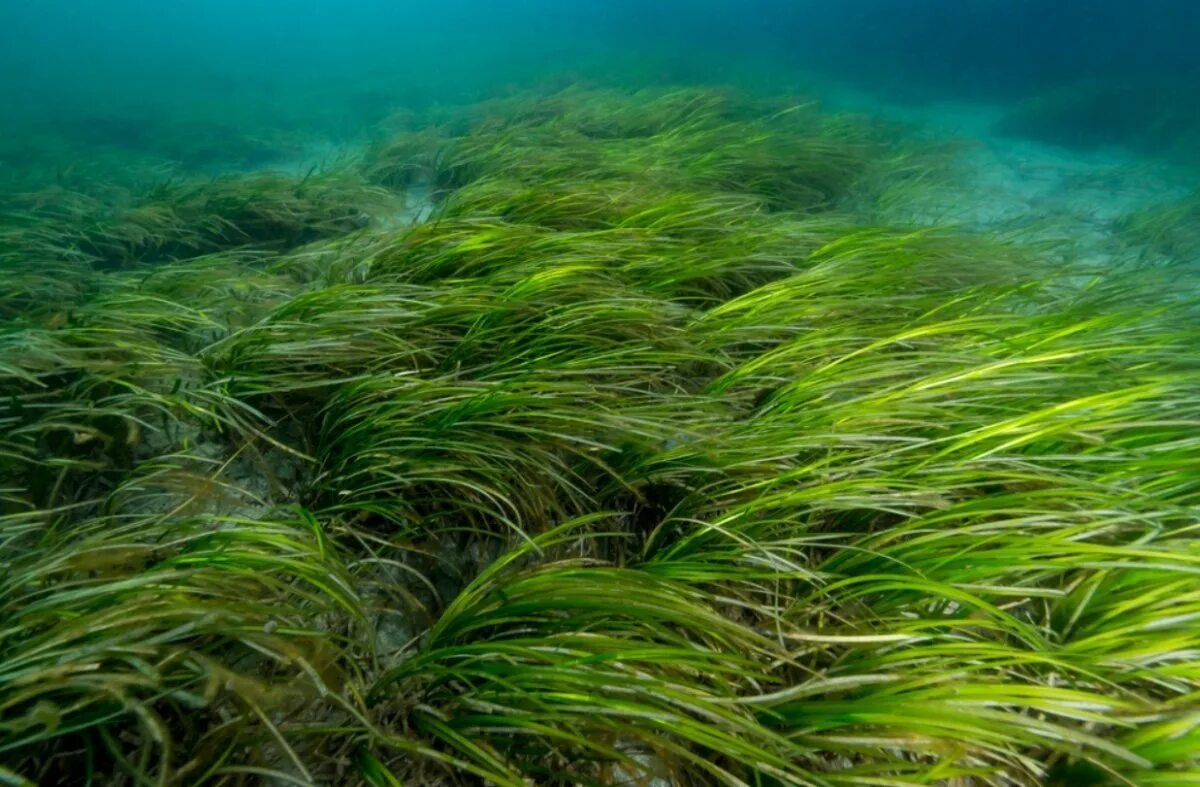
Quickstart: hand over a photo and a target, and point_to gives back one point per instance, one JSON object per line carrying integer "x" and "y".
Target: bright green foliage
{"x": 647, "y": 457}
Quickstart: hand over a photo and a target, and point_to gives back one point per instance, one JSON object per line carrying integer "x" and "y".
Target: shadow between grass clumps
{"x": 1157, "y": 117}
{"x": 646, "y": 457}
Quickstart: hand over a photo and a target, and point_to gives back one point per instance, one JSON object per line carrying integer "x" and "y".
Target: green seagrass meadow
{"x": 658, "y": 453}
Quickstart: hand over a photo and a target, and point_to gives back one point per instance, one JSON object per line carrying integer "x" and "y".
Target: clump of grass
{"x": 182, "y": 220}
{"x": 787, "y": 156}
{"x": 649, "y": 456}
{"x": 1169, "y": 231}
{"x": 166, "y": 647}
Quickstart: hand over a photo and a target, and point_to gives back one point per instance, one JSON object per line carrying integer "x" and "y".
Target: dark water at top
{"x": 117, "y": 65}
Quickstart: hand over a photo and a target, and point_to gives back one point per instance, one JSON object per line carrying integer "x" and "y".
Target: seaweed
{"x": 1169, "y": 230}
{"x": 651, "y": 455}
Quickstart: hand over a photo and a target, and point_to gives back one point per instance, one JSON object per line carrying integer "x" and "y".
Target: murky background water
{"x": 1076, "y": 110}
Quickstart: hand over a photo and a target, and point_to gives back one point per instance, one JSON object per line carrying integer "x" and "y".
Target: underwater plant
{"x": 650, "y": 458}
{"x": 1168, "y": 231}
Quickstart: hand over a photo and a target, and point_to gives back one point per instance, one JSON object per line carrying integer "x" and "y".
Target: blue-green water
{"x": 117, "y": 68}
{"x": 1047, "y": 93}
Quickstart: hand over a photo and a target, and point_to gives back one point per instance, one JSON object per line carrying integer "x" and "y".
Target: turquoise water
{"x": 112, "y": 72}
{"x": 210, "y": 87}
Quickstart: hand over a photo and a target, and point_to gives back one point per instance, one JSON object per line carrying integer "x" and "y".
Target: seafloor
{"x": 683, "y": 435}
